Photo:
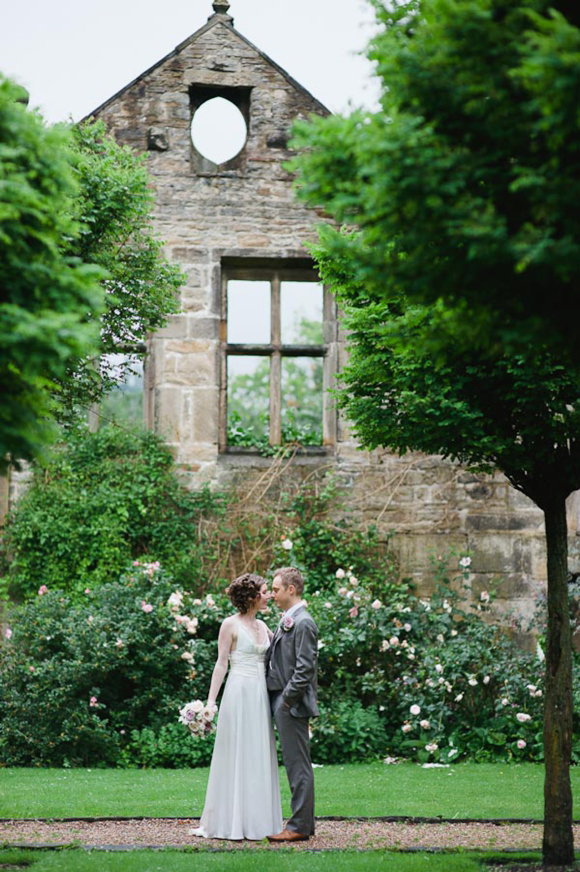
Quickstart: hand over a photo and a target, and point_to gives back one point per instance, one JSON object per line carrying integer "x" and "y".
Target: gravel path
{"x": 359, "y": 834}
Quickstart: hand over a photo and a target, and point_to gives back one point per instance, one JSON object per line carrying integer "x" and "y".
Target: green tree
{"x": 471, "y": 168}
{"x": 114, "y": 208}
{"x": 461, "y": 189}
{"x": 50, "y": 300}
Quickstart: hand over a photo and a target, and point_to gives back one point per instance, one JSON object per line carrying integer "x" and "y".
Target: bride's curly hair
{"x": 245, "y": 590}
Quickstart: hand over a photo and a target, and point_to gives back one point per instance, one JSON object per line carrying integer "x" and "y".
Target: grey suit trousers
{"x": 295, "y": 744}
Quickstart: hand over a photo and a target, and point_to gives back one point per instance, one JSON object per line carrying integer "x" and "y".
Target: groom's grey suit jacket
{"x": 292, "y": 665}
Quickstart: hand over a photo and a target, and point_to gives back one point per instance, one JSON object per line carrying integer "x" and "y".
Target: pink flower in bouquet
{"x": 42, "y": 590}
{"x": 287, "y": 624}
{"x": 93, "y": 702}
{"x": 8, "y": 633}
{"x": 147, "y": 607}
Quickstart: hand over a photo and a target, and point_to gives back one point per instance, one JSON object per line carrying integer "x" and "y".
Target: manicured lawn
{"x": 464, "y": 791}
{"x": 240, "y": 861}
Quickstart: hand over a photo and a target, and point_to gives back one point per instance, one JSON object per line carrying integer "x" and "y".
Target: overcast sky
{"x": 74, "y": 54}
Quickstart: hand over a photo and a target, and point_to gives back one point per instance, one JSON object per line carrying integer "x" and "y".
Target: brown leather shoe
{"x": 288, "y": 836}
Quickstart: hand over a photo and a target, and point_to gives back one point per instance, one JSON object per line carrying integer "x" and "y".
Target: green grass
{"x": 467, "y": 790}
{"x": 240, "y": 861}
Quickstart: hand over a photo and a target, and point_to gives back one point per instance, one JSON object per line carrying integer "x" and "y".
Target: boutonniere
{"x": 287, "y": 624}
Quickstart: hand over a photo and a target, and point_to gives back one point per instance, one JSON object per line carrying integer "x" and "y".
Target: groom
{"x": 291, "y": 680}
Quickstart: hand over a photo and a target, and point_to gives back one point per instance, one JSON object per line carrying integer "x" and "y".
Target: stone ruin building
{"x": 254, "y": 315}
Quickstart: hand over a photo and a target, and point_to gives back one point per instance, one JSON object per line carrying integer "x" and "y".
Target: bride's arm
{"x": 225, "y": 640}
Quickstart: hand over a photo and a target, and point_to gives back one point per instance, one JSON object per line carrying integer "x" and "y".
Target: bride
{"x": 243, "y": 792}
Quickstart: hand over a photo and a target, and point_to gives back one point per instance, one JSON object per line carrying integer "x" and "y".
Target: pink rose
{"x": 287, "y": 624}
{"x": 353, "y": 612}
{"x": 147, "y": 607}
{"x": 93, "y": 702}
{"x": 8, "y": 633}
{"x": 42, "y": 590}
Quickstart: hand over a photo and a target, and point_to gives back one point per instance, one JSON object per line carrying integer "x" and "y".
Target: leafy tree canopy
{"x": 81, "y": 271}
{"x": 50, "y": 300}
{"x": 464, "y": 185}
{"x": 114, "y": 208}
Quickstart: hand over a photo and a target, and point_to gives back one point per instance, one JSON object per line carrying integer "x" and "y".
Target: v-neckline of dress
{"x": 251, "y": 638}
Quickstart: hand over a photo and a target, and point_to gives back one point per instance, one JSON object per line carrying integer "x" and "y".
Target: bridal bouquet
{"x": 198, "y": 717}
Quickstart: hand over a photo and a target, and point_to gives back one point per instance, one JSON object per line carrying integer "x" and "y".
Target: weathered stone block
{"x": 176, "y": 328}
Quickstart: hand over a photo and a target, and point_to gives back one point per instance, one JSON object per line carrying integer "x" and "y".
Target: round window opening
{"x": 218, "y": 130}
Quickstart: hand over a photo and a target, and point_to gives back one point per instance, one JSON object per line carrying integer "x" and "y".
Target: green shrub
{"x": 447, "y": 682}
{"x": 78, "y": 680}
{"x": 169, "y": 747}
{"x": 104, "y": 499}
{"x": 345, "y": 732}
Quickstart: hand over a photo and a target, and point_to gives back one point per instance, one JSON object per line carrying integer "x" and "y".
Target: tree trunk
{"x": 558, "y": 845}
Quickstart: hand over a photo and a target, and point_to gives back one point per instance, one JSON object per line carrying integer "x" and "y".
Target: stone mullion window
{"x": 275, "y": 350}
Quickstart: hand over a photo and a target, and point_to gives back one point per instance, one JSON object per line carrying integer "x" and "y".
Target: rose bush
{"x": 91, "y": 682}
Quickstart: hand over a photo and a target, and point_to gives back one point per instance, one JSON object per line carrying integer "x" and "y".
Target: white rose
{"x": 187, "y": 655}
{"x": 432, "y": 746}
{"x": 394, "y": 641}
{"x": 342, "y": 591}
{"x": 425, "y": 724}
{"x": 385, "y": 645}
{"x": 505, "y": 701}
{"x": 406, "y": 728}
{"x": 415, "y": 709}
{"x": 486, "y": 679}
{"x": 438, "y": 668}
{"x": 191, "y": 626}
{"x": 197, "y": 706}
{"x": 407, "y": 628}
{"x": 459, "y": 697}
{"x": 287, "y": 544}
{"x": 521, "y": 744}
{"x": 340, "y": 573}
{"x": 522, "y": 717}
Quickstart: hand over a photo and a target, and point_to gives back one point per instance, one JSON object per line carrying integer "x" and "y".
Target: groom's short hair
{"x": 290, "y": 575}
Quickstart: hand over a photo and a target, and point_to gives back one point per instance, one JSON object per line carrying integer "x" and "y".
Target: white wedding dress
{"x": 243, "y": 791}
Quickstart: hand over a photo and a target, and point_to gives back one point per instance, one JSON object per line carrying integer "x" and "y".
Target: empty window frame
{"x": 278, "y": 358}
